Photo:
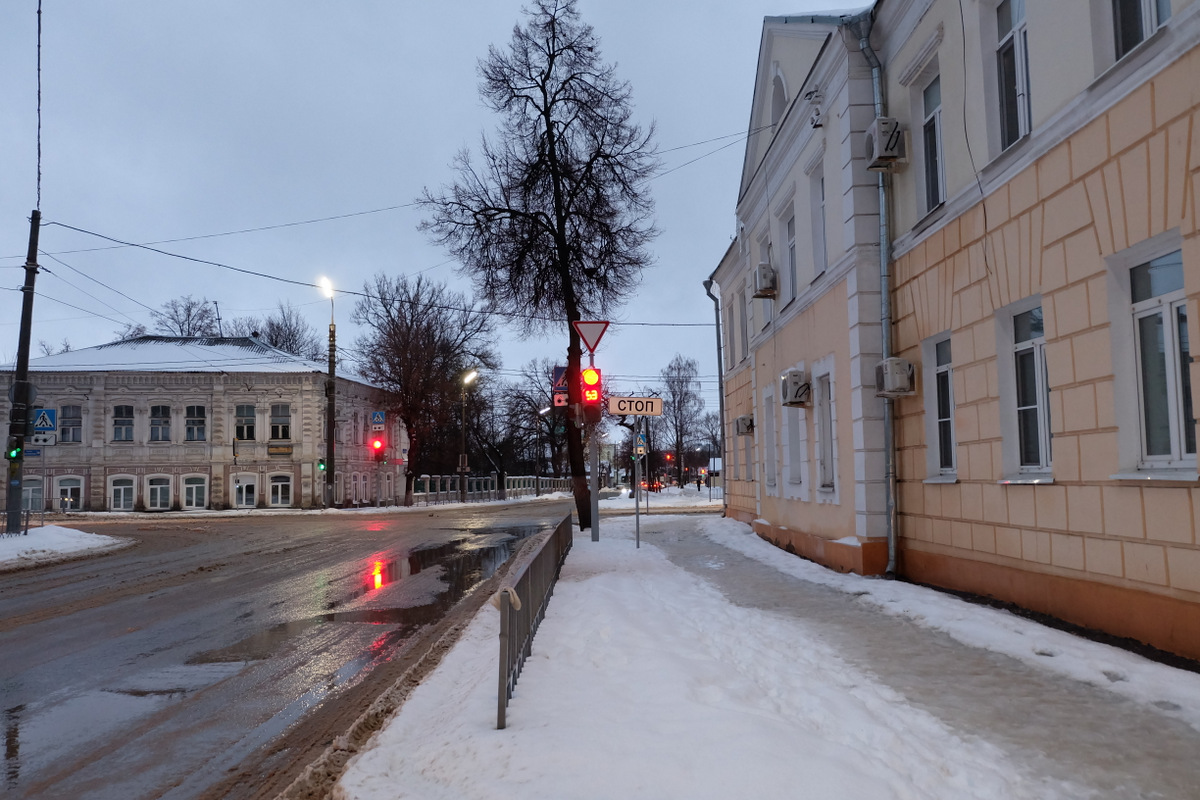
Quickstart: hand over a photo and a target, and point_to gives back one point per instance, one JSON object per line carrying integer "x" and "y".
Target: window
{"x": 944, "y": 391}
{"x": 194, "y": 420}
{"x": 31, "y": 494}
{"x": 281, "y": 490}
{"x": 931, "y": 138}
{"x": 160, "y": 423}
{"x": 159, "y": 494}
{"x": 818, "y": 222}
{"x": 244, "y": 492}
{"x": 70, "y": 494}
{"x": 770, "y": 466}
{"x": 1134, "y": 20}
{"x": 122, "y": 423}
{"x": 281, "y": 421}
{"x": 1163, "y": 362}
{"x": 1012, "y": 53}
{"x": 70, "y": 427}
{"x": 121, "y": 495}
{"x": 243, "y": 424}
{"x": 825, "y": 445}
{"x": 796, "y": 422}
{"x": 1033, "y": 393}
{"x": 791, "y": 257}
{"x": 195, "y": 492}
{"x": 743, "y": 325}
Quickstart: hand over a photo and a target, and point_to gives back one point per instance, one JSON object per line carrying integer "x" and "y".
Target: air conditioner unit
{"x": 794, "y": 388}
{"x": 885, "y": 143}
{"x": 744, "y": 425}
{"x": 764, "y": 281}
{"x": 894, "y": 377}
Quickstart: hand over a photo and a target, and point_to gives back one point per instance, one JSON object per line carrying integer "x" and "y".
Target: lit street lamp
{"x": 330, "y": 403}
{"x": 463, "y": 469}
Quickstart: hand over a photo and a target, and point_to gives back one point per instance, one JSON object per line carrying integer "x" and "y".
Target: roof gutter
{"x": 708, "y": 284}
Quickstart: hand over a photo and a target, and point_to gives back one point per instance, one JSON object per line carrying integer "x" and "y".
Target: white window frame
{"x": 820, "y": 251}
{"x": 793, "y": 272}
{"x": 1016, "y": 40}
{"x": 33, "y": 496}
{"x": 825, "y": 434}
{"x": 1151, "y": 15}
{"x": 281, "y": 485}
{"x": 192, "y": 483}
{"x": 769, "y": 442}
{"x": 245, "y": 483}
{"x": 158, "y": 492}
{"x": 69, "y": 486}
{"x": 1007, "y": 352}
{"x": 937, "y": 374}
{"x": 931, "y": 127}
{"x": 794, "y": 444}
{"x": 127, "y": 482}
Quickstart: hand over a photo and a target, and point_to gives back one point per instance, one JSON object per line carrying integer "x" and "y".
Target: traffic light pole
{"x": 18, "y": 419}
{"x": 330, "y": 416}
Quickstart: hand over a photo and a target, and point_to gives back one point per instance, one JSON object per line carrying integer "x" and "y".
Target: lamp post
{"x": 463, "y": 469}
{"x": 330, "y": 395}
{"x": 537, "y": 464}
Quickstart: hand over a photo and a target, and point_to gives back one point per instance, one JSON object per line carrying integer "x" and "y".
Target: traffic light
{"x": 593, "y": 393}
{"x": 15, "y": 448}
{"x": 321, "y": 465}
{"x": 379, "y": 448}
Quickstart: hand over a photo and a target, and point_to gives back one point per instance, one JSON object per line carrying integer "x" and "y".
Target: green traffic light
{"x": 321, "y": 465}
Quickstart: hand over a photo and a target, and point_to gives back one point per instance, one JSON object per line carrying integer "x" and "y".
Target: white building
{"x": 169, "y": 423}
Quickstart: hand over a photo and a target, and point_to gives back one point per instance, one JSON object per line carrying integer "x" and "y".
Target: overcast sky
{"x": 188, "y": 119}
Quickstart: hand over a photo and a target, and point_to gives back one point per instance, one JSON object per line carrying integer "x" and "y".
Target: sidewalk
{"x": 709, "y": 664}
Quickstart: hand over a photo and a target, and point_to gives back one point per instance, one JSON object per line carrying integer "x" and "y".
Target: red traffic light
{"x": 590, "y": 378}
{"x": 377, "y": 444}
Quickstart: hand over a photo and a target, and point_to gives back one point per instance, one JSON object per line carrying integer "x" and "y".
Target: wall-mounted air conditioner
{"x": 764, "y": 281}
{"x": 895, "y": 377}
{"x": 885, "y": 144}
{"x": 744, "y": 425}
{"x": 794, "y": 388}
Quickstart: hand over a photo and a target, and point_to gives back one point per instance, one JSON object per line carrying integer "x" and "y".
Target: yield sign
{"x": 590, "y": 333}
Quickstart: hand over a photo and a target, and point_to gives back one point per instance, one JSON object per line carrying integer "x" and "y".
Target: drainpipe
{"x": 708, "y": 284}
{"x": 860, "y": 26}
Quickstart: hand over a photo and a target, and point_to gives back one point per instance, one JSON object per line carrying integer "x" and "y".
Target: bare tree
{"x": 682, "y": 408}
{"x": 49, "y": 350}
{"x": 284, "y": 328}
{"x": 186, "y": 316}
{"x": 553, "y": 225}
{"x": 420, "y": 338}
{"x": 132, "y": 330}
{"x": 710, "y": 432}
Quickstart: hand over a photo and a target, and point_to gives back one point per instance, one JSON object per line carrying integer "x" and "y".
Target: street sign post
{"x": 636, "y": 406}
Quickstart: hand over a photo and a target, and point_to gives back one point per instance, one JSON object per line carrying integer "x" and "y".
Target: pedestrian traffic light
{"x": 593, "y": 393}
{"x": 15, "y": 448}
{"x": 321, "y": 465}
{"x": 379, "y": 448}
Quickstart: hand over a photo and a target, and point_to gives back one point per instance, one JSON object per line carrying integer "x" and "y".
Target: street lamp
{"x": 463, "y": 469}
{"x": 330, "y": 404}
{"x": 537, "y": 464}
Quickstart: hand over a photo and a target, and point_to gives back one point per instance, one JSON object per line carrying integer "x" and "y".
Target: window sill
{"x": 827, "y": 489}
{"x": 941, "y": 479}
{"x": 1176, "y": 475}
{"x": 932, "y": 216}
{"x": 1026, "y": 479}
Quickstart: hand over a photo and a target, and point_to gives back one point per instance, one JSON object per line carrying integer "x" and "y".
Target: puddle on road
{"x": 461, "y": 563}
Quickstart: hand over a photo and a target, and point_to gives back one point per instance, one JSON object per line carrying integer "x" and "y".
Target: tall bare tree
{"x": 186, "y": 316}
{"x": 284, "y": 328}
{"x": 682, "y": 408}
{"x": 420, "y": 338}
{"x": 552, "y": 225}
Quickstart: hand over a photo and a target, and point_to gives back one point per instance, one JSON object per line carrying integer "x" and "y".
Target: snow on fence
{"x": 522, "y": 604}
{"x": 433, "y": 489}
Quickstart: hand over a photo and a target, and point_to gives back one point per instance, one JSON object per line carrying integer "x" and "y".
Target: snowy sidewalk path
{"x": 1055, "y": 727}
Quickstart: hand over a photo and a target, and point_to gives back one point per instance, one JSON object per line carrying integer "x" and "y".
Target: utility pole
{"x": 18, "y": 420}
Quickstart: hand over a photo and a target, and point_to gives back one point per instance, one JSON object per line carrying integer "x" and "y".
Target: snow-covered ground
{"x": 647, "y": 682}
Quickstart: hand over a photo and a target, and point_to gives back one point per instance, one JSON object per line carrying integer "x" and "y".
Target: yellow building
{"x": 1042, "y": 265}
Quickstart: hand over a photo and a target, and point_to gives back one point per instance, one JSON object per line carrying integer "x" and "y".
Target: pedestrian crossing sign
{"x": 46, "y": 420}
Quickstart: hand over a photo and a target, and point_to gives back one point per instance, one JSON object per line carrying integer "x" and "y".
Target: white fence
{"x": 433, "y": 489}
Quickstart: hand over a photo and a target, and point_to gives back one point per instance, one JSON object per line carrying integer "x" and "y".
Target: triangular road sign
{"x": 590, "y": 333}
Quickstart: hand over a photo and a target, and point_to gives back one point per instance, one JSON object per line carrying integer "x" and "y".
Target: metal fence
{"x": 434, "y": 489}
{"x": 523, "y": 603}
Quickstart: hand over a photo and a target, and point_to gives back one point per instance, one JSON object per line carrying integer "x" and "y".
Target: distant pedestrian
{"x": 698, "y": 479}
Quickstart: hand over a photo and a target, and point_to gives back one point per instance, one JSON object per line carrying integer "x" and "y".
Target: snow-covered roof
{"x": 179, "y": 354}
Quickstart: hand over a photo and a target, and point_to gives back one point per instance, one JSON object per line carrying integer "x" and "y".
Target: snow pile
{"x": 51, "y": 543}
{"x": 645, "y": 682}
{"x": 670, "y": 497}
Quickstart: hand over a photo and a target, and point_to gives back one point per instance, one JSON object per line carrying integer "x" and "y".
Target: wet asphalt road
{"x": 161, "y": 669}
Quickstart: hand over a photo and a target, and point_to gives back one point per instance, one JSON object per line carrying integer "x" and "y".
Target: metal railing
{"x": 523, "y": 601}
{"x": 434, "y": 489}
